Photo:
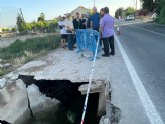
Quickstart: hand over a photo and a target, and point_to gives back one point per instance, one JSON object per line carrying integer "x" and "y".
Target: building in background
{"x": 80, "y": 10}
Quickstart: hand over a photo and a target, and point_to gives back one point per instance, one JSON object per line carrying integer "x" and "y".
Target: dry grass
{"x": 21, "y": 52}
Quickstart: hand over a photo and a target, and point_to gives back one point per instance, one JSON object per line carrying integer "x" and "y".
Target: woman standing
{"x": 77, "y": 22}
{"x": 76, "y": 25}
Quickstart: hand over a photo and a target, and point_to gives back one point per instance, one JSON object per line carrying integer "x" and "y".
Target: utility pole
{"x": 135, "y": 2}
{"x": 94, "y": 2}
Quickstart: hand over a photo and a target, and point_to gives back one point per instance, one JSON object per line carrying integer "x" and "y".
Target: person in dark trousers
{"x": 101, "y": 16}
{"x": 69, "y": 31}
{"x": 76, "y": 25}
{"x": 63, "y": 31}
{"x": 88, "y": 20}
{"x": 83, "y": 22}
{"x": 95, "y": 20}
{"x": 107, "y": 29}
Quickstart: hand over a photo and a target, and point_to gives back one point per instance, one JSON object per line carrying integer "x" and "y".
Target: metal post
{"x": 136, "y": 4}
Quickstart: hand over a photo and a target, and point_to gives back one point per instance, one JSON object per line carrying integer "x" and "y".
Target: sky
{"x": 52, "y": 8}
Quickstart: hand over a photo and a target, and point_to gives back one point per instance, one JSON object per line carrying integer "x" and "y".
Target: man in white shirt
{"x": 63, "y": 31}
{"x": 69, "y": 31}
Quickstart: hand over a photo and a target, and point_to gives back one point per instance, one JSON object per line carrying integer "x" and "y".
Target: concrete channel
{"x": 49, "y": 90}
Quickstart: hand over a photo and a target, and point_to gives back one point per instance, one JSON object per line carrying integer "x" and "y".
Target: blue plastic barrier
{"x": 87, "y": 39}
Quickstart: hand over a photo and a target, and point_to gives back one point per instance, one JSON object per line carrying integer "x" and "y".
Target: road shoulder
{"x": 124, "y": 94}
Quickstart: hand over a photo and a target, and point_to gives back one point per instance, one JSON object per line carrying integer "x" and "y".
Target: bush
{"x": 161, "y": 17}
{"x": 2, "y": 72}
{"x": 129, "y": 11}
{"x": 13, "y": 30}
{"x": 143, "y": 12}
{"x": 34, "y": 45}
{"x": 119, "y": 12}
{"x": 6, "y": 30}
{"x": 41, "y": 26}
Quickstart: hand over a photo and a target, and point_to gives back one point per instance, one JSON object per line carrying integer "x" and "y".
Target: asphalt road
{"x": 145, "y": 46}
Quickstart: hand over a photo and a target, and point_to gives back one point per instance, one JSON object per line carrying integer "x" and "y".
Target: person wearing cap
{"x": 63, "y": 31}
{"x": 95, "y": 20}
{"x": 107, "y": 29}
{"x": 69, "y": 31}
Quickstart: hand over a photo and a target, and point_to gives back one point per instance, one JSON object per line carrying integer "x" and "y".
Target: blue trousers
{"x": 70, "y": 38}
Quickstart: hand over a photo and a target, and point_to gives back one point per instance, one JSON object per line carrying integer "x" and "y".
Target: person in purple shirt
{"x": 107, "y": 30}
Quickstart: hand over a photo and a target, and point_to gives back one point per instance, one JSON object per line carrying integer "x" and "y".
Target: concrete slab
{"x": 65, "y": 65}
{"x": 96, "y": 87}
{"x": 68, "y": 65}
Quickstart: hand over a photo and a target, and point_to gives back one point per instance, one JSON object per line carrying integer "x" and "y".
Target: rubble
{"x": 2, "y": 82}
{"x": 14, "y": 103}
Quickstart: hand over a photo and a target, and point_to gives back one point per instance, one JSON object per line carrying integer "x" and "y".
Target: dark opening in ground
{"x": 4, "y": 122}
{"x": 72, "y": 102}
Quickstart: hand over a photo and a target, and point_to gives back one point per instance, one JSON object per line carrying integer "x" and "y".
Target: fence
{"x": 88, "y": 41}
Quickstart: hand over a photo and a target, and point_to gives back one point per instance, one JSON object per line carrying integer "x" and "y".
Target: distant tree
{"x": 119, "y": 12}
{"x": 160, "y": 10}
{"x": 149, "y": 5}
{"x": 5, "y": 30}
{"x": 13, "y": 30}
{"x": 33, "y": 25}
{"x": 159, "y": 5}
{"x": 143, "y": 12}
{"x": 129, "y": 11}
{"x": 41, "y": 17}
{"x": 40, "y": 25}
{"x": 53, "y": 25}
{"x": 20, "y": 22}
{"x": 91, "y": 12}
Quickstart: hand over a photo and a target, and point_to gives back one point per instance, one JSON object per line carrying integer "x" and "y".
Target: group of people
{"x": 102, "y": 22}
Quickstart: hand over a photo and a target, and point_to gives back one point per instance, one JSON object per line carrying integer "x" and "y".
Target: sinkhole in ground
{"x": 72, "y": 102}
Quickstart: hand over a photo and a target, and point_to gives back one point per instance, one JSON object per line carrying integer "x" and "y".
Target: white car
{"x": 129, "y": 17}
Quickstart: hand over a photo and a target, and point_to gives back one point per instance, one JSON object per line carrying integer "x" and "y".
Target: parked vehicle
{"x": 129, "y": 17}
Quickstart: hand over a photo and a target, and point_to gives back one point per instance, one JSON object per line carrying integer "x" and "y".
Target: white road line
{"x": 159, "y": 24}
{"x": 150, "y": 109}
{"x": 149, "y": 30}
{"x": 131, "y": 23}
